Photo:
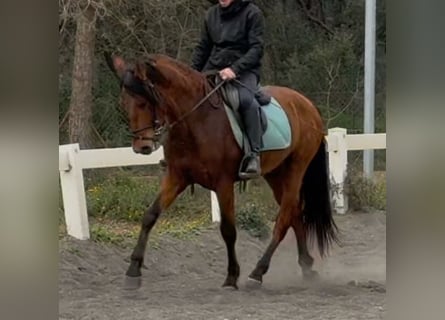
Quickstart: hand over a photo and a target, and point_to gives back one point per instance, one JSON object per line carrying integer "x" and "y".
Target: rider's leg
{"x": 250, "y": 113}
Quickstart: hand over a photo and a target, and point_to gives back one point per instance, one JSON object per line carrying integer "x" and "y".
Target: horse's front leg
{"x": 226, "y": 203}
{"x": 172, "y": 185}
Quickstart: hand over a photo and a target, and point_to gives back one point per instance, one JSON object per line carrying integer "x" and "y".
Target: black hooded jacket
{"x": 231, "y": 37}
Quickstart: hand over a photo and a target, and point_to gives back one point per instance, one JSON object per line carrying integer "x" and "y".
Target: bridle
{"x": 155, "y": 100}
{"x": 148, "y": 91}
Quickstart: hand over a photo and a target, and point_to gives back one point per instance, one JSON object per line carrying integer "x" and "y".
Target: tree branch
{"x": 314, "y": 19}
{"x": 65, "y": 117}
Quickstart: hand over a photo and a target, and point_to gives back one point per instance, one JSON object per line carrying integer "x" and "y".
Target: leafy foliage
{"x": 254, "y": 220}
{"x": 364, "y": 193}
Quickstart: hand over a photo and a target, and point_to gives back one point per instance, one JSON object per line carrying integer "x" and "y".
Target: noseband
{"x": 158, "y": 132}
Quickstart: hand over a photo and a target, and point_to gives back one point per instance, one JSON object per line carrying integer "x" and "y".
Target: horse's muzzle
{"x": 146, "y": 150}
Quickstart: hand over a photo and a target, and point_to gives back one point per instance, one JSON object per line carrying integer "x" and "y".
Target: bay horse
{"x": 160, "y": 93}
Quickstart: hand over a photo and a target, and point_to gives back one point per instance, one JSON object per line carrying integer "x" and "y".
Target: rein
{"x": 219, "y": 85}
{"x": 159, "y": 130}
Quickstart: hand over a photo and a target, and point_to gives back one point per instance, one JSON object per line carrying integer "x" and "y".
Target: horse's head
{"x": 156, "y": 92}
{"x": 141, "y": 101}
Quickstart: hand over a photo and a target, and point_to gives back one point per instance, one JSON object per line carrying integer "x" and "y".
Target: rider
{"x": 232, "y": 42}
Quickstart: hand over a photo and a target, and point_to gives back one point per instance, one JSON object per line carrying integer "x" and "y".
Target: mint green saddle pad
{"x": 278, "y": 133}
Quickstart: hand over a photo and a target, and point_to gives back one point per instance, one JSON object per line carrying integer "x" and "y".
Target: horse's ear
{"x": 116, "y": 64}
{"x": 149, "y": 71}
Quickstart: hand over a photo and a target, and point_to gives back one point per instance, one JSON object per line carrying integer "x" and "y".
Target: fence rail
{"x": 72, "y": 161}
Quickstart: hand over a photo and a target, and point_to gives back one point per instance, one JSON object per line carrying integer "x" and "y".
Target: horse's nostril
{"x": 146, "y": 150}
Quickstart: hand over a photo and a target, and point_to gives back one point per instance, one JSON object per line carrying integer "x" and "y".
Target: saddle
{"x": 230, "y": 97}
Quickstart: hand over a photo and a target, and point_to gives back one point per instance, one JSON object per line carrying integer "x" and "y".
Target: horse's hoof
{"x": 132, "y": 283}
{"x": 253, "y": 283}
{"x": 311, "y": 275}
{"x": 230, "y": 284}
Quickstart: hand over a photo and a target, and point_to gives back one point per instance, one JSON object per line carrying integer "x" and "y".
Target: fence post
{"x": 216, "y": 214}
{"x": 73, "y": 193}
{"x": 338, "y": 161}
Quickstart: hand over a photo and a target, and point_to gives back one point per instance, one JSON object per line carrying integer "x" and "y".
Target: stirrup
{"x": 248, "y": 175}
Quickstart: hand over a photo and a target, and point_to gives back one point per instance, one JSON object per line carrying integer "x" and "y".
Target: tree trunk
{"x": 80, "y": 114}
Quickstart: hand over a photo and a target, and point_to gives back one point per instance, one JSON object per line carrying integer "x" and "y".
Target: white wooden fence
{"x": 72, "y": 161}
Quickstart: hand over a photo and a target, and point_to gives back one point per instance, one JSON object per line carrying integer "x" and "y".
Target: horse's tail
{"x": 317, "y": 211}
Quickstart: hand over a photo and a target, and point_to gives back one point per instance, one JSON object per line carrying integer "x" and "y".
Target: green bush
{"x": 259, "y": 193}
{"x": 254, "y": 220}
{"x": 364, "y": 193}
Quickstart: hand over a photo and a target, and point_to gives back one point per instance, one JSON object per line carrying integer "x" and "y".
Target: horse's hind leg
{"x": 286, "y": 188}
{"x": 228, "y": 231}
{"x": 281, "y": 226}
{"x": 305, "y": 260}
{"x": 171, "y": 187}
